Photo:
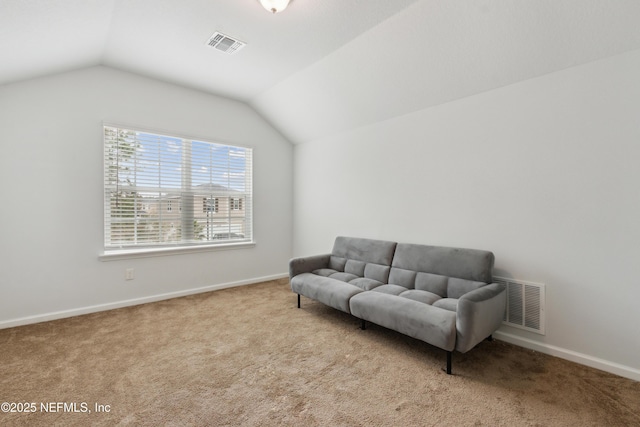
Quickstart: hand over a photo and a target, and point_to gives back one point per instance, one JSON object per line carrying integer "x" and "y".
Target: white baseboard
{"x": 127, "y": 303}
{"x": 563, "y": 353}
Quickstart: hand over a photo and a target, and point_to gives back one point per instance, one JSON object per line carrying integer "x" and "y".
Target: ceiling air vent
{"x": 224, "y": 43}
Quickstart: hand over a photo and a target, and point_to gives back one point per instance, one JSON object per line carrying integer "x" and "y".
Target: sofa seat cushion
{"x": 365, "y": 284}
{"x": 343, "y": 277}
{"x": 415, "y": 319}
{"x": 326, "y": 272}
{"x": 334, "y": 274}
{"x": 450, "y": 304}
{"x": 390, "y": 289}
{"x": 424, "y": 297}
{"x": 331, "y": 292}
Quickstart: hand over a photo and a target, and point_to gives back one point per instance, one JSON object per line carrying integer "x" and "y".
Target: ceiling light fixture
{"x": 274, "y": 6}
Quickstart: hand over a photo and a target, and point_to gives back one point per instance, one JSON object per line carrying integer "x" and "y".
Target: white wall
{"x": 51, "y": 171}
{"x": 544, "y": 173}
{"x": 434, "y": 52}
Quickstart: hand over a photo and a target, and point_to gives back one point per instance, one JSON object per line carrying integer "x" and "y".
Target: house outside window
{"x": 167, "y": 191}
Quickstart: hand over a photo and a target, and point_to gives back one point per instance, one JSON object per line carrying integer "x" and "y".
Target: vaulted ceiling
{"x": 322, "y": 66}
{"x": 166, "y": 39}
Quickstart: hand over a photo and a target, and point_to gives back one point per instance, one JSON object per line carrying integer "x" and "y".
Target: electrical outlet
{"x": 128, "y": 274}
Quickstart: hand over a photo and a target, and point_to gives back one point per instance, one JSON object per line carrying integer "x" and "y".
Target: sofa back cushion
{"x": 367, "y": 250}
{"x": 448, "y": 272}
{"x": 402, "y": 277}
{"x": 355, "y": 267}
{"x": 337, "y": 263}
{"x": 377, "y": 272}
{"x": 469, "y": 264}
{"x": 362, "y": 257}
{"x": 458, "y": 287}
{"x": 433, "y": 283}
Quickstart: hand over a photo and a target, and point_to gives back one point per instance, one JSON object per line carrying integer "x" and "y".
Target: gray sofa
{"x": 442, "y": 296}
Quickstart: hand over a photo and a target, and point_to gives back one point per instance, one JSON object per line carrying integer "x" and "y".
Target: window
{"x": 236, "y": 204}
{"x": 168, "y": 191}
{"x": 210, "y": 204}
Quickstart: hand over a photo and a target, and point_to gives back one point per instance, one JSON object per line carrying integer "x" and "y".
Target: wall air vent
{"x": 225, "y": 43}
{"x": 525, "y": 304}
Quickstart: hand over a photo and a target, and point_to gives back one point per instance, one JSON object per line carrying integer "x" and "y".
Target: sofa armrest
{"x": 479, "y": 314}
{"x": 307, "y": 264}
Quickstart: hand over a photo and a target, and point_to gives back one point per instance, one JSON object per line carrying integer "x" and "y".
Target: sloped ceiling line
{"x": 438, "y": 51}
{"x": 320, "y": 67}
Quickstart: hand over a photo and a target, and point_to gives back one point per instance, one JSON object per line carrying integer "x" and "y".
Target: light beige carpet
{"x": 248, "y": 356}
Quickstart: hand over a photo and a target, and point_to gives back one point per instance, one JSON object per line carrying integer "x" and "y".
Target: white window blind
{"x": 167, "y": 191}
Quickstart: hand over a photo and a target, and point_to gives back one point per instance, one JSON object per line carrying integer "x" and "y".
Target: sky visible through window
{"x": 157, "y": 164}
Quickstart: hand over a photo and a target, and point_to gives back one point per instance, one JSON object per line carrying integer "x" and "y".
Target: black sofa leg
{"x": 363, "y": 325}
{"x": 298, "y": 300}
{"x": 490, "y": 338}
{"x": 449, "y": 354}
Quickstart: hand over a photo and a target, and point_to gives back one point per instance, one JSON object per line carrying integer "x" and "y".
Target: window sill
{"x": 115, "y": 255}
